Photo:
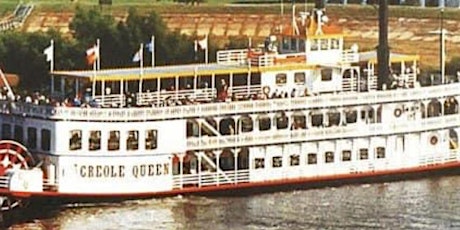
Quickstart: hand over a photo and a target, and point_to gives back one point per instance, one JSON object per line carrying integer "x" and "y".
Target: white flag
{"x": 203, "y": 43}
{"x": 137, "y": 56}
{"x": 149, "y": 46}
{"x": 48, "y": 52}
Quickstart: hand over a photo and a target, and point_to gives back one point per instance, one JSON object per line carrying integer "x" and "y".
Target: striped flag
{"x": 92, "y": 54}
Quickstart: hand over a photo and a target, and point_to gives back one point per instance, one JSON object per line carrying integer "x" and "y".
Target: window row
{"x": 29, "y": 138}
{"x": 300, "y": 77}
{"x": 131, "y": 139}
{"x": 281, "y": 78}
{"x": 325, "y": 44}
{"x": 312, "y": 158}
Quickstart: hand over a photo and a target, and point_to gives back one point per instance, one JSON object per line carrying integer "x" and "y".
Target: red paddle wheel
{"x": 13, "y": 155}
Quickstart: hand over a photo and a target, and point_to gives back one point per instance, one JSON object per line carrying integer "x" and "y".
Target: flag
{"x": 203, "y": 43}
{"x": 137, "y": 56}
{"x": 48, "y": 52}
{"x": 149, "y": 46}
{"x": 92, "y": 54}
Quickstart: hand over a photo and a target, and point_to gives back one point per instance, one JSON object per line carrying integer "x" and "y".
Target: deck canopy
{"x": 147, "y": 73}
{"x": 371, "y": 57}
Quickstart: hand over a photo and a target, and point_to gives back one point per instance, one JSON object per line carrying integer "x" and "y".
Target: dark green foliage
{"x": 22, "y": 53}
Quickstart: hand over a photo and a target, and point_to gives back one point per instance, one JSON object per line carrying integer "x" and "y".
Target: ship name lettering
{"x": 146, "y": 170}
{"x": 90, "y": 171}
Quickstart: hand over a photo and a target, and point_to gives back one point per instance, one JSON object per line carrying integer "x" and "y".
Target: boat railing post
{"x": 235, "y": 164}
{"x": 199, "y": 169}
{"x": 217, "y": 174}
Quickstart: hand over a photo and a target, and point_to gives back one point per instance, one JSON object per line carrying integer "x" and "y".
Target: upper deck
{"x": 227, "y": 108}
{"x": 302, "y": 66}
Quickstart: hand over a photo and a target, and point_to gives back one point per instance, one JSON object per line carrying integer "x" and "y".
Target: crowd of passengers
{"x": 131, "y": 100}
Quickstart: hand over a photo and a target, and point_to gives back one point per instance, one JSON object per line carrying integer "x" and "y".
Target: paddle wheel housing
{"x": 17, "y": 173}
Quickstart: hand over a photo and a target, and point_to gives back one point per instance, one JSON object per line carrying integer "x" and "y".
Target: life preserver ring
{"x": 266, "y": 90}
{"x": 433, "y": 140}
{"x": 398, "y": 112}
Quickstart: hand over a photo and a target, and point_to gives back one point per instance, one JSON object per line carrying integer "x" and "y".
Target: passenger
{"x": 222, "y": 91}
{"x": 293, "y": 93}
{"x": 77, "y": 101}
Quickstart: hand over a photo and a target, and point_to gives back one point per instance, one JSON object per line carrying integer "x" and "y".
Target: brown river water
{"x": 430, "y": 203}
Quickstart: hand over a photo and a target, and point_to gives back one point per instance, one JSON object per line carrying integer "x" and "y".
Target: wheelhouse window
{"x": 314, "y": 45}
{"x": 363, "y": 154}
{"x": 302, "y": 45}
{"x": 32, "y": 138}
{"x": 326, "y": 74}
{"x": 6, "y": 131}
{"x": 277, "y": 162}
{"x": 151, "y": 139}
{"x": 114, "y": 140}
{"x": 380, "y": 152}
{"x": 281, "y": 79}
{"x": 293, "y": 44}
{"x": 295, "y": 160}
{"x": 324, "y": 44}
{"x": 299, "y": 78}
{"x": 312, "y": 158}
{"x": 329, "y": 157}
{"x": 132, "y": 142}
{"x": 335, "y": 43}
{"x": 18, "y": 134}
{"x": 95, "y": 140}
{"x": 259, "y": 163}
{"x": 285, "y": 43}
{"x": 346, "y": 155}
{"x": 75, "y": 140}
{"x": 46, "y": 139}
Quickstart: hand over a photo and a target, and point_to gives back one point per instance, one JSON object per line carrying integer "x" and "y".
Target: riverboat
{"x": 301, "y": 109}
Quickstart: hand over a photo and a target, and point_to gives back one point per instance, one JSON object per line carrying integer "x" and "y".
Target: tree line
{"x": 22, "y": 53}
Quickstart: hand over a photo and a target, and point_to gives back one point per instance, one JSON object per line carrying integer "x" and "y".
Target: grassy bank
{"x": 225, "y": 6}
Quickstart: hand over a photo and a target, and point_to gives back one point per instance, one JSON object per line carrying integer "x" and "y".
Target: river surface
{"x": 432, "y": 203}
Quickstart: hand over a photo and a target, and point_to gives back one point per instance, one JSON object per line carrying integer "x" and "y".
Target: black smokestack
{"x": 383, "y": 56}
{"x": 319, "y": 4}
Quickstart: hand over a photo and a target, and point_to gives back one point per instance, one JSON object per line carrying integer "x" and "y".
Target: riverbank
{"x": 410, "y": 27}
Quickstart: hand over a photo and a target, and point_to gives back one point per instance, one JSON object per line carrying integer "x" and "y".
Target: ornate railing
{"x": 210, "y": 179}
{"x": 224, "y": 108}
{"x": 317, "y": 134}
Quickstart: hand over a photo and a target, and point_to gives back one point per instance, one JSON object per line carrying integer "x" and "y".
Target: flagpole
{"x": 95, "y": 66}
{"x": 52, "y": 66}
{"x": 196, "y": 49}
{"x": 141, "y": 65}
{"x": 153, "y": 50}
{"x": 98, "y": 43}
{"x": 207, "y": 49}
{"x": 52, "y": 56}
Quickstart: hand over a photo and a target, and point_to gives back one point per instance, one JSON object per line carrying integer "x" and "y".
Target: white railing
{"x": 263, "y": 60}
{"x": 113, "y": 100}
{"x": 245, "y": 91}
{"x": 317, "y": 134}
{"x": 350, "y": 56}
{"x": 47, "y": 186}
{"x": 427, "y": 160}
{"x": 220, "y": 109}
{"x": 232, "y": 57}
{"x": 210, "y": 179}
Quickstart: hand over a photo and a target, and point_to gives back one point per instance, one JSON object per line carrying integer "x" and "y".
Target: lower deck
{"x": 244, "y": 167}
